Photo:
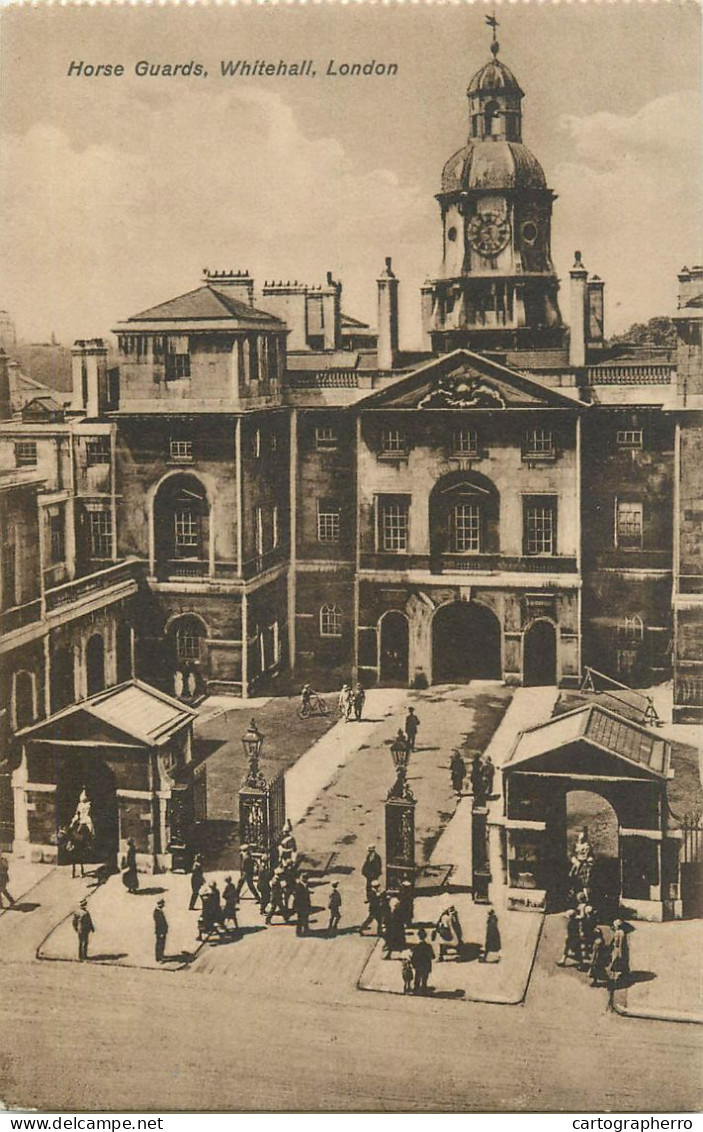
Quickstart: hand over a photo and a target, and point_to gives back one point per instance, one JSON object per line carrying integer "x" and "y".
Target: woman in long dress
{"x": 493, "y": 945}
{"x": 130, "y": 876}
{"x": 619, "y": 968}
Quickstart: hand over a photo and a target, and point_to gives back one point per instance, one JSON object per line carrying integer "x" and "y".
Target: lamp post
{"x": 252, "y": 742}
{"x": 400, "y": 751}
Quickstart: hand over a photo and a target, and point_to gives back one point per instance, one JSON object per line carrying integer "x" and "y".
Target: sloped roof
{"x": 206, "y": 303}
{"x": 134, "y": 709}
{"x": 600, "y": 728}
{"x": 466, "y": 380}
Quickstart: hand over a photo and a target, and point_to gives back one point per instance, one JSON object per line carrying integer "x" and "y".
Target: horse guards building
{"x": 259, "y": 483}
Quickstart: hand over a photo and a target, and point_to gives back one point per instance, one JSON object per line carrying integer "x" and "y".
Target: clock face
{"x": 488, "y": 233}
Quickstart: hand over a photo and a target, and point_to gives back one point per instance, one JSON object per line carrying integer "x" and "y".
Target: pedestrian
{"x": 619, "y": 968}
{"x": 457, "y": 768}
{"x": 376, "y": 909}
{"x": 206, "y": 919}
{"x": 598, "y": 966}
{"x": 572, "y": 942}
{"x": 421, "y": 960}
{"x": 191, "y": 684}
{"x": 477, "y": 780}
{"x": 160, "y": 931}
{"x": 359, "y": 701}
{"x": 264, "y": 885}
{"x": 229, "y": 908}
{"x": 247, "y": 872}
{"x": 277, "y": 904}
{"x": 587, "y": 927}
{"x": 215, "y": 902}
{"x": 407, "y": 973}
{"x": 345, "y": 702}
{"x": 83, "y": 926}
{"x": 178, "y": 684}
{"x": 407, "y": 903}
{"x": 492, "y": 946}
{"x": 5, "y": 880}
{"x": 197, "y": 880}
{"x": 302, "y": 905}
{"x": 394, "y": 930}
{"x": 447, "y": 931}
{"x": 411, "y": 725}
{"x": 335, "y": 908}
{"x": 488, "y": 774}
{"x": 371, "y": 869}
{"x": 130, "y": 876}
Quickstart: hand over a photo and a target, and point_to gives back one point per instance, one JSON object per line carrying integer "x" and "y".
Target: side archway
{"x": 63, "y": 678}
{"x": 95, "y": 664}
{"x": 394, "y": 647}
{"x": 539, "y": 654}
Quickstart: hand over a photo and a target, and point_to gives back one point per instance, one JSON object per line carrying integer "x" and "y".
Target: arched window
{"x": 330, "y": 621}
{"x": 491, "y": 115}
{"x": 631, "y": 629}
{"x": 63, "y": 689}
{"x": 95, "y": 664}
{"x": 124, "y": 652}
{"x": 181, "y": 527}
{"x": 189, "y": 635}
{"x": 24, "y": 700}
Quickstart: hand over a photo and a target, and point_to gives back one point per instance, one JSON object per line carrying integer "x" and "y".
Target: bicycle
{"x": 314, "y": 705}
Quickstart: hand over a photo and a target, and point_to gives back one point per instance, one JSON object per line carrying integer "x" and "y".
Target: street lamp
{"x": 400, "y": 750}
{"x": 253, "y": 741}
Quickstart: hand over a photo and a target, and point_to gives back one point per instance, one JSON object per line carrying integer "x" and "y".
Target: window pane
{"x": 628, "y": 524}
{"x": 629, "y": 438}
{"x": 465, "y": 442}
{"x": 393, "y": 440}
{"x": 330, "y": 621}
{"x": 467, "y": 527}
{"x": 101, "y": 534}
{"x": 394, "y": 526}
{"x": 180, "y": 450}
{"x": 98, "y": 450}
{"x": 186, "y": 529}
{"x": 25, "y": 453}
{"x": 539, "y": 442}
{"x": 325, "y": 437}
{"x": 539, "y": 528}
{"x": 328, "y": 525}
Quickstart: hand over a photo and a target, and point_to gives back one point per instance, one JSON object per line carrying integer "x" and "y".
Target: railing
{"x": 470, "y": 563}
{"x": 71, "y": 592}
{"x": 177, "y": 568}
{"x": 632, "y": 559}
{"x": 264, "y": 562}
{"x": 326, "y": 379}
{"x": 629, "y": 374}
{"x": 19, "y": 616}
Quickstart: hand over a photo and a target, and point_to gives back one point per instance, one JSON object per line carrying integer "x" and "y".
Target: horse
{"x": 76, "y": 842}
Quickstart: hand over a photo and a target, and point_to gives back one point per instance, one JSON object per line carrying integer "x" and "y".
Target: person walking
{"x": 229, "y": 908}
{"x": 277, "y": 904}
{"x": 619, "y": 968}
{"x": 488, "y": 771}
{"x": 477, "y": 780}
{"x": 407, "y": 973}
{"x": 160, "y": 931}
{"x": 197, "y": 880}
{"x": 598, "y": 966}
{"x": 411, "y": 726}
{"x": 334, "y": 905}
{"x": 215, "y": 903}
{"x": 247, "y": 873}
{"x": 264, "y": 886}
{"x": 493, "y": 945}
{"x": 572, "y": 942}
{"x": 302, "y": 906}
{"x": 394, "y": 930}
{"x": 406, "y": 899}
{"x": 130, "y": 876}
{"x": 457, "y": 769}
{"x": 345, "y": 702}
{"x": 359, "y": 700}
{"x": 376, "y": 909}
{"x": 4, "y": 881}
{"x": 83, "y": 926}
{"x": 371, "y": 870}
{"x": 421, "y": 959}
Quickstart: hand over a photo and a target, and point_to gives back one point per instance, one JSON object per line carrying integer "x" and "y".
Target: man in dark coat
{"x": 247, "y": 872}
{"x": 411, "y": 725}
{"x": 377, "y": 909}
{"x": 229, "y": 909}
{"x": 407, "y": 902}
{"x": 302, "y": 906}
{"x": 264, "y": 885}
{"x": 421, "y": 959}
{"x": 130, "y": 876}
{"x": 160, "y": 931}
{"x": 5, "y": 880}
{"x": 358, "y": 700}
{"x": 371, "y": 870}
{"x": 197, "y": 880}
{"x": 394, "y": 931}
{"x": 488, "y": 774}
{"x": 477, "y": 784}
{"x": 277, "y": 904}
{"x": 83, "y": 926}
{"x": 457, "y": 768}
{"x": 335, "y": 908}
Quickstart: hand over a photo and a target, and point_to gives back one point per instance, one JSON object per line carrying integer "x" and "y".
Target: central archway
{"x": 591, "y": 811}
{"x": 465, "y": 644}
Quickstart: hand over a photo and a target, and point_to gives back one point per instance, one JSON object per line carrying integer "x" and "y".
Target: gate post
{"x": 480, "y": 867}
{"x": 400, "y": 833}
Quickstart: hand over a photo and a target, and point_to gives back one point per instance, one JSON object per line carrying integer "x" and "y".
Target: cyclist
{"x": 306, "y": 694}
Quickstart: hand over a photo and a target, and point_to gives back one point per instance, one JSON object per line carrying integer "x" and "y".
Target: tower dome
{"x": 498, "y": 165}
{"x": 494, "y": 77}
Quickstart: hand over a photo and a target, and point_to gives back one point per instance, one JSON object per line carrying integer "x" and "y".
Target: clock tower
{"x": 497, "y": 287}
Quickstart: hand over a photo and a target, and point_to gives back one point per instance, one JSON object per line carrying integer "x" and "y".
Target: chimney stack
{"x": 91, "y": 390}
{"x": 577, "y": 339}
{"x": 5, "y": 391}
{"x": 387, "y": 317}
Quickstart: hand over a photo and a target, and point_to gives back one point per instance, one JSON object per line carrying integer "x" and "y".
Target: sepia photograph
{"x": 351, "y": 559}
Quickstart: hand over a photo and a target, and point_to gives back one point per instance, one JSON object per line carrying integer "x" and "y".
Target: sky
{"x": 118, "y": 191}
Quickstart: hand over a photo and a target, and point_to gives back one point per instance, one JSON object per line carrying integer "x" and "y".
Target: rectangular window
{"x": 188, "y": 644}
{"x": 330, "y": 621}
{"x": 97, "y": 450}
{"x": 393, "y": 525}
{"x": 186, "y": 529}
{"x": 275, "y": 533}
{"x": 628, "y": 524}
{"x": 25, "y": 453}
{"x": 57, "y": 536}
{"x": 465, "y": 442}
{"x": 177, "y": 366}
{"x": 467, "y": 527}
{"x": 325, "y": 438}
{"x": 328, "y": 525}
{"x": 9, "y": 573}
{"x": 629, "y": 438}
{"x": 259, "y": 528}
{"x": 538, "y": 444}
{"x": 100, "y": 534}
{"x": 180, "y": 450}
{"x": 393, "y": 442}
{"x": 540, "y": 525}
{"x": 256, "y": 443}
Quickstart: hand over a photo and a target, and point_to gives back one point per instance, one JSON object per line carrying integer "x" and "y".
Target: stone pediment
{"x": 464, "y": 380}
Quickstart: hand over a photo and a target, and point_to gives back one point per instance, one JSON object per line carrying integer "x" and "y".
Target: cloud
{"x": 629, "y": 200}
{"x": 228, "y": 180}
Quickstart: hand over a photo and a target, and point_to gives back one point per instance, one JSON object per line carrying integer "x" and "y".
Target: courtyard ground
{"x": 667, "y": 972}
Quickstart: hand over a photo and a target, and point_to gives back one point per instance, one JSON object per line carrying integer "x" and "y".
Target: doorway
{"x": 88, "y": 771}
{"x": 465, "y": 644}
{"x": 394, "y": 648}
{"x": 576, "y": 811}
{"x": 539, "y": 655}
